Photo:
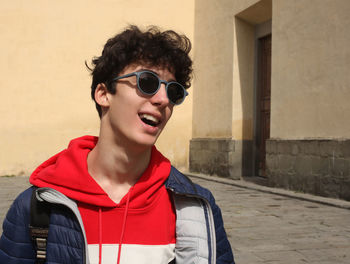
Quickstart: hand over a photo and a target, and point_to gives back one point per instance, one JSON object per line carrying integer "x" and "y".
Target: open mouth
{"x": 149, "y": 120}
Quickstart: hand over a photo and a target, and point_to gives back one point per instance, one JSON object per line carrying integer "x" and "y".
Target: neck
{"x": 117, "y": 164}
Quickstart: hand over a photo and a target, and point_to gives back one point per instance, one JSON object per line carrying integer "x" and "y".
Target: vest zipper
{"x": 76, "y": 216}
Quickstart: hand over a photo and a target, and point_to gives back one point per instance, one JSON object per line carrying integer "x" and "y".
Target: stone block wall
{"x": 224, "y": 157}
{"x": 320, "y": 167}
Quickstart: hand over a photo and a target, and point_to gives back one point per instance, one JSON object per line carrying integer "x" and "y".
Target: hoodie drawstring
{"x": 122, "y": 231}
{"x": 99, "y": 235}
{"x": 124, "y": 225}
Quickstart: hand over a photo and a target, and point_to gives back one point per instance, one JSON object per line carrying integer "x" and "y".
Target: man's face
{"x": 136, "y": 118}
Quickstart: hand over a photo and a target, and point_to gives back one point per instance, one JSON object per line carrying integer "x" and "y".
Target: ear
{"x": 101, "y": 95}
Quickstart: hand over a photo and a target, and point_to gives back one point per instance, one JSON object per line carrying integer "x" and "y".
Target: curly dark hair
{"x": 152, "y": 47}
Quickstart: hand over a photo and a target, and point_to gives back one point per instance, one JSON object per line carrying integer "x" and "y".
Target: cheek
{"x": 121, "y": 112}
{"x": 169, "y": 113}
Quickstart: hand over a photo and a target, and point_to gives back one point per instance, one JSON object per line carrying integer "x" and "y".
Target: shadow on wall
{"x": 245, "y": 58}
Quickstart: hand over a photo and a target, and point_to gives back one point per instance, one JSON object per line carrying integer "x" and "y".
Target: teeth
{"x": 150, "y": 118}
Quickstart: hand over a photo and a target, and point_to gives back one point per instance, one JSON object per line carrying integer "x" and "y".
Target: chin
{"x": 146, "y": 141}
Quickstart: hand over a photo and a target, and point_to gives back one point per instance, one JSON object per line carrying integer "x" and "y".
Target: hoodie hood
{"x": 67, "y": 173}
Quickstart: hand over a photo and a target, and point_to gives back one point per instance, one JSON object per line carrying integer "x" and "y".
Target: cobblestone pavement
{"x": 262, "y": 227}
{"x": 268, "y": 228}
{"x": 10, "y": 187}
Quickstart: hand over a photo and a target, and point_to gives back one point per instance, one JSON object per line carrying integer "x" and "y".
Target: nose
{"x": 160, "y": 98}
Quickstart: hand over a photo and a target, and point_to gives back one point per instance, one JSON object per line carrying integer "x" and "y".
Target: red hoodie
{"x": 143, "y": 221}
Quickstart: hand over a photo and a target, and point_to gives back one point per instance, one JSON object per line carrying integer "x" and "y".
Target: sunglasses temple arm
{"x": 124, "y": 76}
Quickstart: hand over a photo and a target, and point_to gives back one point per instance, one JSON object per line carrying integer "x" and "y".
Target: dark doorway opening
{"x": 263, "y": 102}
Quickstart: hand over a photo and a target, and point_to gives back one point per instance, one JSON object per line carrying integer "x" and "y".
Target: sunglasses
{"x": 149, "y": 83}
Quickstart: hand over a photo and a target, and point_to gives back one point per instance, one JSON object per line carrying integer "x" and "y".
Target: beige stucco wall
{"x": 243, "y": 80}
{"x": 310, "y": 62}
{"x": 45, "y": 87}
{"x": 310, "y": 69}
{"x": 224, "y": 55}
{"x": 212, "y": 111}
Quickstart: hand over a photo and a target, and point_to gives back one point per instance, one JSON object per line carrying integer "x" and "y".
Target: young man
{"x": 116, "y": 198}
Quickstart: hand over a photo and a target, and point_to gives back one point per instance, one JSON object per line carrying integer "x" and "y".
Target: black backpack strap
{"x": 39, "y": 226}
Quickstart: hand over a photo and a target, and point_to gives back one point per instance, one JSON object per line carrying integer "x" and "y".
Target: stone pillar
{"x": 224, "y": 157}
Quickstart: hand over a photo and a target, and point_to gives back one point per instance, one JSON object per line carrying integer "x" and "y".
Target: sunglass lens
{"x": 176, "y": 93}
{"x": 148, "y": 83}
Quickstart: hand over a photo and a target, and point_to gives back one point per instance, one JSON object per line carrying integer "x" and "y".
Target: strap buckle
{"x": 39, "y": 236}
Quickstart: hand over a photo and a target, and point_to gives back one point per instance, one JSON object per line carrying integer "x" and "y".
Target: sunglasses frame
{"x": 138, "y": 74}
